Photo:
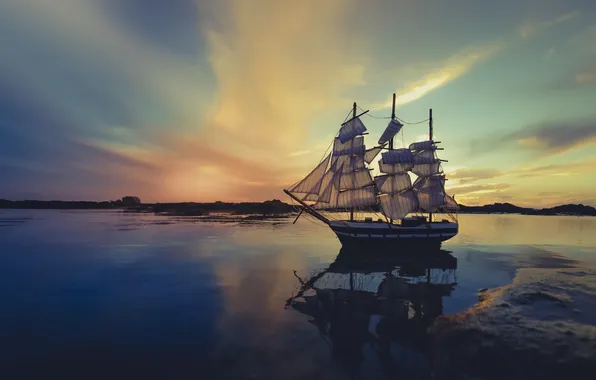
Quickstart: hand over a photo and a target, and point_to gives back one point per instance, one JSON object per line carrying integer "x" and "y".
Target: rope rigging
{"x": 400, "y": 119}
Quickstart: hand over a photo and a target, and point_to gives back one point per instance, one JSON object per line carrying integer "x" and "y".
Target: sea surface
{"x": 113, "y": 295}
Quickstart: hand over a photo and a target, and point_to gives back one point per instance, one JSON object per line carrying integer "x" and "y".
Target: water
{"x": 88, "y": 294}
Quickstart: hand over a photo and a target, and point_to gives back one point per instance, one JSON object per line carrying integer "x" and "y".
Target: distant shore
{"x": 273, "y": 207}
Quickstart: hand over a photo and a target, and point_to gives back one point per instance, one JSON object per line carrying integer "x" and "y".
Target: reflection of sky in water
{"x": 162, "y": 296}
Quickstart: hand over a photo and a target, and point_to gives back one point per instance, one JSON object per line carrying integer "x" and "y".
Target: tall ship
{"x": 342, "y": 193}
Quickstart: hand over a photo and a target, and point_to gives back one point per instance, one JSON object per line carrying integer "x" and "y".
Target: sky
{"x": 233, "y": 100}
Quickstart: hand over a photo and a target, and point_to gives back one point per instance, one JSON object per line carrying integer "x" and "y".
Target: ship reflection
{"x": 374, "y": 310}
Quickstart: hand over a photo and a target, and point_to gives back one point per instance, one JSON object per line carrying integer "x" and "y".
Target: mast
{"x": 392, "y": 118}
{"x": 430, "y": 137}
{"x": 353, "y": 116}
{"x": 391, "y": 141}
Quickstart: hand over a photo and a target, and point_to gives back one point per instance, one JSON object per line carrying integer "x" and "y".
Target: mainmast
{"x": 430, "y": 137}
{"x": 392, "y": 118}
{"x": 353, "y": 116}
{"x": 393, "y": 137}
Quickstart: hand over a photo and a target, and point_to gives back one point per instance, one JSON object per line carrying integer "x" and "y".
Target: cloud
{"x": 477, "y": 189}
{"x": 466, "y": 175}
{"x": 586, "y": 77}
{"x": 435, "y": 77}
{"x": 548, "y": 138}
{"x": 219, "y": 126}
{"x": 449, "y": 70}
{"x": 532, "y": 28}
{"x": 570, "y": 168}
{"x": 553, "y": 137}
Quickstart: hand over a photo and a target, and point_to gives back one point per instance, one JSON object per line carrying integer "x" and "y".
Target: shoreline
{"x": 273, "y": 207}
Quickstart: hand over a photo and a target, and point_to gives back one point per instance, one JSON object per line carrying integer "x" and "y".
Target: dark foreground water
{"x": 108, "y": 295}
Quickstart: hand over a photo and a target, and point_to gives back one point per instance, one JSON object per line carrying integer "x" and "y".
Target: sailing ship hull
{"x": 377, "y": 233}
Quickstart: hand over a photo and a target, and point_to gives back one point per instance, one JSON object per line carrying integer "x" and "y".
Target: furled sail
{"x": 422, "y": 145}
{"x": 425, "y": 157}
{"x": 398, "y": 156}
{"x": 312, "y": 182}
{"x": 351, "y": 129}
{"x": 392, "y": 129}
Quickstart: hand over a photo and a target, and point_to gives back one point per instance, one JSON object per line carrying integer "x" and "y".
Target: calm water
{"x": 112, "y": 295}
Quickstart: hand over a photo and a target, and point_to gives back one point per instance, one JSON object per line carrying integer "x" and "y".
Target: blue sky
{"x": 233, "y": 100}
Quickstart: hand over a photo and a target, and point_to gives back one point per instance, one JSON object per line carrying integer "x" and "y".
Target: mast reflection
{"x": 374, "y": 309}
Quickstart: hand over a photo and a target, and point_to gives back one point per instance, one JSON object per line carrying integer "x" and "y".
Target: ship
{"x": 410, "y": 187}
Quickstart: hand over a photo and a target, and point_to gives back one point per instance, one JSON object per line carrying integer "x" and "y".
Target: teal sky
{"x": 233, "y": 100}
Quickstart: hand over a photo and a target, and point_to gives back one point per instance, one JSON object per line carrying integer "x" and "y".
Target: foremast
{"x": 342, "y": 180}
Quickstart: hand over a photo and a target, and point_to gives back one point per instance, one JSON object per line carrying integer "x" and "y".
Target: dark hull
{"x": 382, "y": 235}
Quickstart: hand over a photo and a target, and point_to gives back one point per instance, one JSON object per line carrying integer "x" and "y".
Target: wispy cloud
{"x": 465, "y": 60}
{"x": 553, "y": 137}
{"x": 586, "y": 77}
{"x": 451, "y": 69}
{"x": 466, "y": 175}
{"x": 548, "y": 138}
{"x": 479, "y": 188}
{"x": 532, "y": 28}
{"x": 569, "y": 168}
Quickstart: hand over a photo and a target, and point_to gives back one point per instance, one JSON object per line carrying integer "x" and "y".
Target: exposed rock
{"x": 547, "y": 330}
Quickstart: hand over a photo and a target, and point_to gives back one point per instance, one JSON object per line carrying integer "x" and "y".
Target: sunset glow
{"x": 192, "y": 100}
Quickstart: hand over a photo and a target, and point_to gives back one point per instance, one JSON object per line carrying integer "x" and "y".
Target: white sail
{"x": 347, "y": 164}
{"x": 392, "y": 129}
{"x": 422, "y": 145}
{"x": 431, "y": 198}
{"x": 399, "y": 205}
{"x": 319, "y": 188}
{"x": 349, "y": 147}
{"x": 309, "y": 183}
{"x": 351, "y": 129}
{"x": 328, "y": 197}
{"x": 391, "y": 184}
{"x": 371, "y": 153}
{"x": 357, "y": 198}
{"x": 427, "y": 170}
{"x": 425, "y": 157}
{"x": 355, "y": 180}
{"x": 450, "y": 203}
{"x": 426, "y": 182}
{"x": 394, "y": 168}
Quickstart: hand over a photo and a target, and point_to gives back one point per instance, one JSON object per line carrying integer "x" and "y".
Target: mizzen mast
{"x": 430, "y": 137}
